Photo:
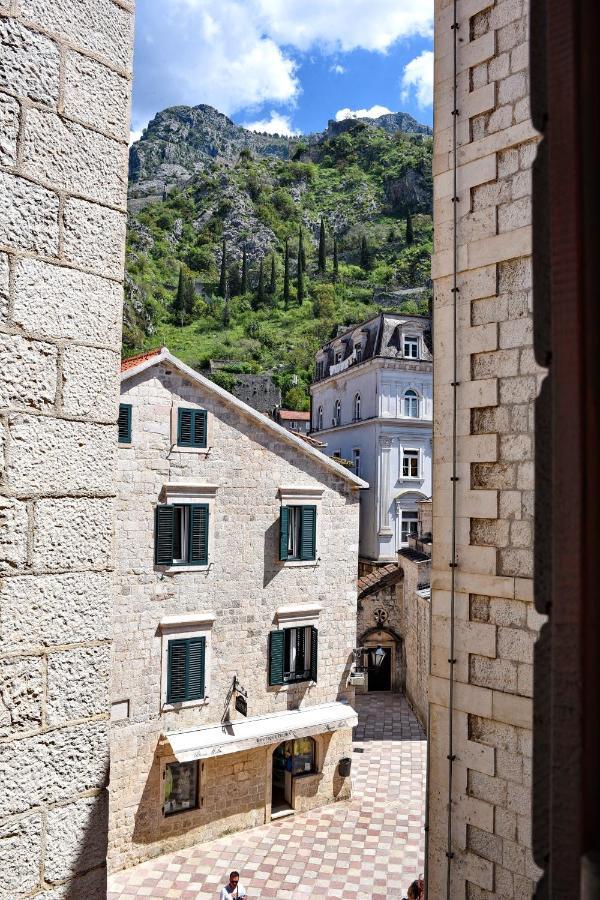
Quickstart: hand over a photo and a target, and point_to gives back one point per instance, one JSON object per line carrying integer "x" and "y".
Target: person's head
{"x": 414, "y": 891}
{"x": 234, "y": 877}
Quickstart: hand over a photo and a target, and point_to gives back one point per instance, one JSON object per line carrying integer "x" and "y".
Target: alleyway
{"x": 345, "y": 850}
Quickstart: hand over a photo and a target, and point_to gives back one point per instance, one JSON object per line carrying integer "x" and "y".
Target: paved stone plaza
{"x": 343, "y": 850}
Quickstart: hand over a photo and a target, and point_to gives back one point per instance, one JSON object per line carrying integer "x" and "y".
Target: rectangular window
{"x": 338, "y": 356}
{"x": 180, "y": 787}
{"x": 410, "y": 463}
{"x": 410, "y": 524}
{"x": 356, "y": 455}
{"x": 181, "y": 534}
{"x": 358, "y": 353}
{"x": 191, "y": 428}
{"x": 125, "y": 423}
{"x": 298, "y": 532}
{"x": 185, "y": 669}
{"x": 411, "y": 347}
{"x": 293, "y": 655}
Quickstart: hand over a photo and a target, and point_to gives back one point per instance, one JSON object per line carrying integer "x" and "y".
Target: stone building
{"x": 484, "y": 625}
{"x": 372, "y": 404}
{"x": 64, "y": 110}
{"x": 237, "y": 548}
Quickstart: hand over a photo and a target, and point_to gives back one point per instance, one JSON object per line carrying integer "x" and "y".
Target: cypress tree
{"x": 336, "y": 265}
{"x": 300, "y": 279}
{"x": 273, "y": 281}
{"x": 261, "y": 285}
{"x": 301, "y": 250}
{"x": 223, "y": 278}
{"x": 189, "y": 297}
{"x": 179, "y": 299}
{"x": 244, "y": 287}
{"x": 410, "y": 235}
{"x": 235, "y": 281}
{"x": 226, "y": 317}
{"x": 286, "y": 273}
{"x": 365, "y": 255}
{"x": 322, "y": 249}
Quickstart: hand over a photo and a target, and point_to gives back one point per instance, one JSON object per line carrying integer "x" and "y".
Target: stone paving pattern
{"x": 350, "y": 849}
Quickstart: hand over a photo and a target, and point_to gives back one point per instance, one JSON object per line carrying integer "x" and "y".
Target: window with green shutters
{"x": 125, "y": 423}
{"x": 185, "y": 669}
{"x": 298, "y": 533}
{"x": 181, "y": 534}
{"x": 192, "y": 428}
{"x": 293, "y": 654}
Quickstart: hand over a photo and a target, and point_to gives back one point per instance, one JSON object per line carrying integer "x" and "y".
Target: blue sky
{"x": 285, "y": 66}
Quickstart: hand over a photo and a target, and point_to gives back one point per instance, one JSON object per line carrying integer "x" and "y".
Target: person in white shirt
{"x": 234, "y": 889}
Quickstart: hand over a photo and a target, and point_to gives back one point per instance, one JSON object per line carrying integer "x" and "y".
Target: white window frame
{"x": 337, "y": 413}
{"x": 409, "y": 454}
{"x": 410, "y": 397}
{"x": 412, "y": 515}
{"x": 356, "y": 407}
{"x": 357, "y": 461}
{"x": 411, "y": 342}
{"x": 185, "y": 626}
{"x": 188, "y": 494}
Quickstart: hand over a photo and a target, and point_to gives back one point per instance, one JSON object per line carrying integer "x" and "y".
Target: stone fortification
{"x": 495, "y": 624}
{"x": 64, "y": 122}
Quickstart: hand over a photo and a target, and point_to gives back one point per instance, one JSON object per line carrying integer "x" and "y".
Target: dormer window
{"x": 358, "y": 353}
{"x": 411, "y": 404}
{"x": 339, "y": 354}
{"x": 411, "y": 347}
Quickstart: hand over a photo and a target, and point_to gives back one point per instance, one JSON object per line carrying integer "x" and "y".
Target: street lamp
{"x": 378, "y": 657}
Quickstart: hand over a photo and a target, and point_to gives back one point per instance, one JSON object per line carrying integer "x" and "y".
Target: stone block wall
{"x": 64, "y": 124}
{"x": 244, "y": 585}
{"x": 495, "y": 621}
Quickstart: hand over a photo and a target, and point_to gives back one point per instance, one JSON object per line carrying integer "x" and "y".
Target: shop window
{"x": 180, "y": 787}
{"x": 297, "y": 757}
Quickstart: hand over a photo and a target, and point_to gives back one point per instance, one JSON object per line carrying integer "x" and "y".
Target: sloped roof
{"x": 133, "y": 361}
{"x": 152, "y": 358}
{"x": 292, "y": 414}
{"x": 380, "y": 578}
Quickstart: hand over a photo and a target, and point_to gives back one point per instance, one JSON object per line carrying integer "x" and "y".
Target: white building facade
{"x": 372, "y": 403}
{"x": 237, "y": 549}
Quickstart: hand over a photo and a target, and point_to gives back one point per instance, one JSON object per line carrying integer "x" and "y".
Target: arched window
{"x": 411, "y": 404}
{"x": 337, "y": 413}
{"x": 356, "y": 407}
{"x": 320, "y": 419}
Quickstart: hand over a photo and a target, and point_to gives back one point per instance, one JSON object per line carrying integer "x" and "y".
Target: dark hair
{"x": 414, "y": 891}
{"x": 231, "y": 874}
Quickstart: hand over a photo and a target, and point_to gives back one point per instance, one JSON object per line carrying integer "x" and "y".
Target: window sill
{"x": 176, "y": 449}
{"x": 299, "y": 563}
{"x": 411, "y": 478}
{"x": 175, "y": 570}
{"x": 187, "y": 704}
{"x": 125, "y": 444}
{"x": 290, "y": 685}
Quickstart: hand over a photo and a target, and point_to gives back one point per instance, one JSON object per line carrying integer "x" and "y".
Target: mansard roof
{"x": 381, "y": 336}
{"x": 154, "y": 357}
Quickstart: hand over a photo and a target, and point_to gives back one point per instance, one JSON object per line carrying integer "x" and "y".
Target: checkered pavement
{"x": 368, "y": 848}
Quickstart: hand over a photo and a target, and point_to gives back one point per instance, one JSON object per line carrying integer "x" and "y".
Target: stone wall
{"x": 495, "y": 622}
{"x": 244, "y": 585}
{"x": 64, "y": 125}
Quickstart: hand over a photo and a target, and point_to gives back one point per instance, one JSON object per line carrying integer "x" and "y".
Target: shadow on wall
{"x": 271, "y": 564}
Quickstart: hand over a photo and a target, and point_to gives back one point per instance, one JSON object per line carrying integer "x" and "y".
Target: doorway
{"x": 281, "y": 790}
{"x": 380, "y": 677}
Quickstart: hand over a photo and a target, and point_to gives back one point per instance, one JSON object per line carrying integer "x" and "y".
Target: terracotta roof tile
{"x": 293, "y": 414}
{"x": 133, "y": 361}
{"x": 313, "y": 442}
{"x": 378, "y": 579}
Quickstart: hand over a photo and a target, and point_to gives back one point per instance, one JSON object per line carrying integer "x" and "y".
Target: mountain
{"x": 199, "y": 183}
{"x": 182, "y": 141}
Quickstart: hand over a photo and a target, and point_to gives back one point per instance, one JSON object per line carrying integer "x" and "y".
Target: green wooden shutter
{"x": 314, "y": 653}
{"x": 198, "y": 554}
{"x": 276, "y": 656}
{"x": 163, "y": 535}
{"x": 196, "y": 655}
{"x": 199, "y": 429}
{"x": 177, "y": 671}
{"x": 284, "y": 520}
{"x": 124, "y": 422}
{"x": 308, "y": 532}
{"x": 184, "y": 427}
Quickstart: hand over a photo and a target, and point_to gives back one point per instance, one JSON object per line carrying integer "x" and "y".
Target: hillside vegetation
{"x": 206, "y": 264}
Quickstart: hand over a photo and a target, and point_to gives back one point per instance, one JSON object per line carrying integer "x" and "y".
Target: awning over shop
{"x": 258, "y": 731}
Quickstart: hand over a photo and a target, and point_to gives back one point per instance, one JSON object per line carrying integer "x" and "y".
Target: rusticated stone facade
{"x": 245, "y": 590}
{"x": 63, "y": 174}
{"x": 495, "y": 623}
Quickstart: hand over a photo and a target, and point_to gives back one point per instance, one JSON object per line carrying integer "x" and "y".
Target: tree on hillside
{"x": 223, "y": 278}
{"x": 260, "y": 291}
{"x": 365, "y": 254}
{"x": 226, "y": 316}
{"x": 391, "y": 236}
{"x": 244, "y": 285}
{"x": 322, "y": 249}
{"x": 410, "y": 235}
{"x": 273, "y": 279}
{"x": 234, "y": 280}
{"x": 301, "y": 250}
{"x": 300, "y": 278}
{"x": 184, "y": 300}
{"x": 286, "y": 273}
{"x": 336, "y": 264}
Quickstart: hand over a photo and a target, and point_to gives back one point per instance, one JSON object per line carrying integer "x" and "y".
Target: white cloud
{"x": 344, "y": 24}
{"x": 277, "y": 124}
{"x": 417, "y": 79}
{"x": 135, "y": 135}
{"x": 337, "y": 69}
{"x": 373, "y": 113}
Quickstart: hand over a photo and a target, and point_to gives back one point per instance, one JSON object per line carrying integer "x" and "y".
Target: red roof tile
{"x": 133, "y": 361}
{"x": 382, "y": 577}
{"x": 293, "y": 414}
{"x": 308, "y": 439}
